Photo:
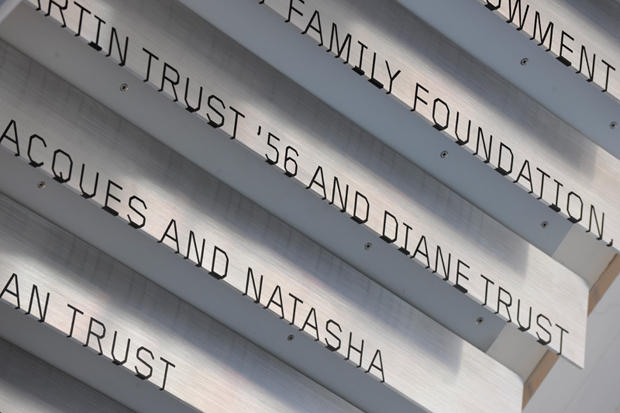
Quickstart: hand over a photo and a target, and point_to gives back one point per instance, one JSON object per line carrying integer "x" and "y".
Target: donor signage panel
{"x": 214, "y": 78}
{"x": 582, "y": 35}
{"x": 484, "y": 113}
{"x": 89, "y": 297}
{"x": 188, "y": 214}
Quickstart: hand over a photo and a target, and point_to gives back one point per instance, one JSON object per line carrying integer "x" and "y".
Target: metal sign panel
{"x": 463, "y": 99}
{"x": 29, "y": 385}
{"x": 344, "y": 165}
{"x": 582, "y": 35}
{"x": 89, "y": 297}
{"x": 86, "y": 147}
{"x": 347, "y": 167}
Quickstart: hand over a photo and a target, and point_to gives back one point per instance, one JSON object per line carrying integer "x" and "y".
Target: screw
{"x": 480, "y": 320}
{"x": 41, "y": 185}
{"x": 613, "y": 125}
{"x": 368, "y": 246}
{"x": 524, "y": 61}
{"x": 444, "y": 154}
{"x": 544, "y": 224}
{"x": 290, "y": 338}
{"x": 124, "y": 87}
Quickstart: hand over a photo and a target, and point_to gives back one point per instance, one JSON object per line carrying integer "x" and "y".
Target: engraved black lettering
{"x": 311, "y": 318}
{"x": 14, "y": 293}
{"x": 446, "y": 270}
{"x": 340, "y": 48}
{"x": 459, "y": 275}
{"x": 500, "y": 169}
{"x": 218, "y": 252}
{"x": 572, "y": 217}
{"x": 384, "y": 236}
{"x": 211, "y": 122}
{"x": 82, "y": 10}
{"x": 114, "y": 359}
{"x": 529, "y": 319}
{"x": 292, "y": 9}
{"x": 540, "y": 339}
{"x": 316, "y": 28}
{"x": 295, "y": 301}
{"x": 15, "y": 139}
{"x": 122, "y": 54}
{"x": 168, "y": 364}
{"x": 358, "y": 69}
{"x": 507, "y": 304}
{"x": 422, "y": 249}
{"x": 358, "y": 218}
{"x": 526, "y": 168}
{"x": 190, "y": 108}
{"x": 329, "y": 345}
{"x": 392, "y": 77}
{"x": 318, "y": 180}
{"x": 416, "y": 97}
{"x": 486, "y": 290}
{"x": 172, "y": 81}
{"x": 33, "y": 163}
{"x": 109, "y": 195}
{"x": 148, "y": 65}
{"x": 59, "y": 176}
{"x": 377, "y": 363}
{"x": 95, "y": 45}
{"x": 357, "y": 350}
{"x": 584, "y": 56}
{"x": 456, "y": 131}
{"x": 555, "y": 205}
{"x": 257, "y": 293}
{"x": 141, "y": 375}
{"x": 132, "y": 223}
{"x": 91, "y": 332}
{"x": 278, "y": 303}
{"x": 343, "y": 202}
{"x": 174, "y": 237}
{"x": 487, "y": 150}
{"x": 548, "y": 32}
{"x": 561, "y": 57}
{"x": 42, "y": 312}
{"x": 199, "y": 255}
{"x": 75, "y": 311}
{"x": 444, "y": 124}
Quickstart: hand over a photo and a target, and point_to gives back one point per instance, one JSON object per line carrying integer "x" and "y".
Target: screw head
{"x": 290, "y": 338}
{"x": 524, "y": 61}
{"x": 544, "y": 224}
{"x": 368, "y": 246}
{"x": 444, "y": 154}
{"x": 479, "y": 320}
{"x": 41, "y": 185}
{"x": 124, "y": 87}
{"x": 613, "y": 125}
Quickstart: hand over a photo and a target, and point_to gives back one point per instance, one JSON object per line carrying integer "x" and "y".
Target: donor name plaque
{"x": 582, "y": 35}
{"x": 243, "y": 98}
{"x": 401, "y": 55}
{"x": 90, "y": 298}
{"x": 206, "y": 226}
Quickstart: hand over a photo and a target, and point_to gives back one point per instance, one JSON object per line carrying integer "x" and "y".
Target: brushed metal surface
{"x": 566, "y": 169}
{"x": 176, "y": 128}
{"x": 324, "y": 138}
{"x": 485, "y": 37}
{"x": 213, "y": 369}
{"x": 222, "y": 303}
{"x": 420, "y": 358}
{"x": 27, "y": 384}
{"x": 590, "y": 45}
